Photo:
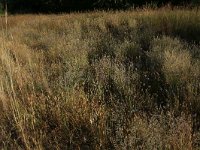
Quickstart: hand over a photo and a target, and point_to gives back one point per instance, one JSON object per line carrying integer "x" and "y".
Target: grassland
{"x": 101, "y": 80}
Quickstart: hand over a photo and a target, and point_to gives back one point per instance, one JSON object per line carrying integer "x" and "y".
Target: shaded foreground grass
{"x": 101, "y": 80}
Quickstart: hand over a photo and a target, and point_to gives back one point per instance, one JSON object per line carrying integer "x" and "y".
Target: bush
{"x": 53, "y": 6}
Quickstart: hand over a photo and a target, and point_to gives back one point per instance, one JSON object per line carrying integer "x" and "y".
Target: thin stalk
{"x": 6, "y": 15}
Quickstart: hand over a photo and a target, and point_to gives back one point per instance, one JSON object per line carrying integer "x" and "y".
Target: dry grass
{"x": 101, "y": 80}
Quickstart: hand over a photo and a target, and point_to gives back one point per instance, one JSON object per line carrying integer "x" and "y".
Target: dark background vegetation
{"x": 48, "y": 6}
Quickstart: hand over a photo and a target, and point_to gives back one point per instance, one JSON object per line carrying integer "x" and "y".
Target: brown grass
{"x": 101, "y": 80}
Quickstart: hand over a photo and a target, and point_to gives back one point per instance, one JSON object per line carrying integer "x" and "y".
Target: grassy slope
{"x": 102, "y": 80}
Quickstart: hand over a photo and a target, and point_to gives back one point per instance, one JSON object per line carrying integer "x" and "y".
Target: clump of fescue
{"x": 160, "y": 132}
{"x": 174, "y": 57}
{"x": 177, "y": 65}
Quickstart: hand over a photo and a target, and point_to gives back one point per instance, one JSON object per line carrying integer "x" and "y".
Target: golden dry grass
{"x": 101, "y": 80}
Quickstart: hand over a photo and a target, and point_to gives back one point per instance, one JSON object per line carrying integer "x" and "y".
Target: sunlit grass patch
{"x": 100, "y": 80}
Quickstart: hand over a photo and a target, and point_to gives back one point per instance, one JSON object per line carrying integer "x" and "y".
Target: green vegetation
{"x": 101, "y": 80}
{"x": 1, "y": 9}
{"x": 56, "y": 6}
